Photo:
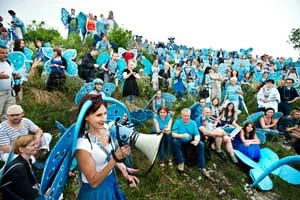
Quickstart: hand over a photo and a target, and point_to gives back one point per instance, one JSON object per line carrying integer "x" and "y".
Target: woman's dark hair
{"x": 206, "y": 71}
{"x": 58, "y": 51}
{"x": 237, "y": 73}
{"x": 165, "y": 108}
{"x": 226, "y": 110}
{"x": 267, "y": 109}
{"x": 17, "y": 45}
{"x": 252, "y": 133}
{"x": 97, "y": 102}
{"x": 35, "y": 43}
{"x": 214, "y": 99}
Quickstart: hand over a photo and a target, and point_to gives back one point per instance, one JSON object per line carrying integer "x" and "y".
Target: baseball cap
{"x": 14, "y": 110}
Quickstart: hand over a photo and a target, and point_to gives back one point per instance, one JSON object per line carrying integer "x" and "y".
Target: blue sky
{"x": 231, "y": 24}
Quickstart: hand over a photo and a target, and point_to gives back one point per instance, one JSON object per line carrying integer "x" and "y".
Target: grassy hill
{"x": 230, "y": 181}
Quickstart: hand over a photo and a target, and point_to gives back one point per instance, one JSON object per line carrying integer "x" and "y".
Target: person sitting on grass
{"x": 17, "y": 125}
{"x": 247, "y": 142}
{"x": 162, "y": 123}
{"x": 19, "y": 181}
{"x": 185, "y": 133}
{"x": 215, "y": 136}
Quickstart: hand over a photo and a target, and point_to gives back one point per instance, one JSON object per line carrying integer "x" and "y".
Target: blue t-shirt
{"x": 161, "y": 123}
{"x": 180, "y": 128}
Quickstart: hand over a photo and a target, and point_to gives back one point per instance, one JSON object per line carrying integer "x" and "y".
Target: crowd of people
{"x": 217, "y": 78}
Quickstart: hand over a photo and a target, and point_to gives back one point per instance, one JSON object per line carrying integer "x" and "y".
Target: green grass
{"x": 43, "y": 108}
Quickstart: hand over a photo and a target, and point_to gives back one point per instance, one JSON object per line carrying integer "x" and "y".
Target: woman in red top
{"x": 90, "y": 24}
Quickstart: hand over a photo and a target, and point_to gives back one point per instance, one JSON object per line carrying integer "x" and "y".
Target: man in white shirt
{"x": 6, "y": 79}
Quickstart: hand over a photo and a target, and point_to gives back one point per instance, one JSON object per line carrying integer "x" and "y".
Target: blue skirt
{"x": 252, "y": 151}
{"x": 107, "y": 190}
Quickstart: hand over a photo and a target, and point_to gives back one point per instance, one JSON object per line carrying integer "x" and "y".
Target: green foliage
{"x": 120, "y": 36}
{"x": 294, "y": 38}
{"x": 45, "y": 35}
{"x": 150, "y": 57}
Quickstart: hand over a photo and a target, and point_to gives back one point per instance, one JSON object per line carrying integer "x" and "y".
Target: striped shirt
{"x": 9, "y": 134}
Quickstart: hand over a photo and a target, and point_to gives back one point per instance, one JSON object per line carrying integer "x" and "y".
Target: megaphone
{"x": 146, "y": 143}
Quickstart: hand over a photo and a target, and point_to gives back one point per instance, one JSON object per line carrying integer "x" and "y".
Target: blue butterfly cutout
{"x": 64, "y": 16}
{"x": 69, "y": 55}
{"x": 270, "y": 163}
{"x": 107, "y": 88}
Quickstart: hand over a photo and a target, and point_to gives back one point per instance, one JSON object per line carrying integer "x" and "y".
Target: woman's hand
{"x": 121, "y": 153}
{"x": 133, "y": 181}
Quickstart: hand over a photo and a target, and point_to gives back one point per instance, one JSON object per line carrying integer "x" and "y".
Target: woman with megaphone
{"x": 98, "y": 153}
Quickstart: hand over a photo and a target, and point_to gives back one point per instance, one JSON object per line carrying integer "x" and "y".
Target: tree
{"x": 294, "y": 38}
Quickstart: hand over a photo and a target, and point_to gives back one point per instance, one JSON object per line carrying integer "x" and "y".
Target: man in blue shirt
{"x": 185, "y": 131}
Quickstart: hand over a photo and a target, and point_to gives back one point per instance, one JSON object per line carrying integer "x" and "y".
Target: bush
{"x": 45, "y": 35}
{"x": 120, "y": 37}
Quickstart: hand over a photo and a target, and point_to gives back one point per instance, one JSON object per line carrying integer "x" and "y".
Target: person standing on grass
{"x": 98, "y": 153}
{"x": 130, "y": 89}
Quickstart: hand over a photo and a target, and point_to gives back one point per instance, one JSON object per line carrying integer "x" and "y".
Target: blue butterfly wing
{"x": 147, "y": 66}
{"x": 140, "y": 116}
{"x": 245, "y": 159}
{"x": 257, "y": 76}
{"x": 84, "y": 90}
{"x": 121, "y": 67}
{"x": 169, "y": 99}
{"x": 271, "y": 76}
{"x": 82, "y": 22}
{"x": 254, "y": 117}
{"x": 121, "y": 51}
{"x": 70, "y": 54}
{"x": 115, "y": 113}
{"x": 278, "y": 76}
{"x": 28, "y": 66}
{"x": 289, "y": 174}
{"x": 266, "y": 183}
{"x": 17, "y": 59}
{"x": 72, "y": 69}
{"x": 47, "y": 67}
{"x": 58, "y": 155}
{"x": 61, "y": 128}
{"x": 102, "y": 58}
{"x": 48, "y": 52}
{"x": 64, "y": 16}
{"x": 277, "y": 115}
{"x": 108, "y": 89}
{"x": 28, "y": 54}
{"x": 46, "y": 44}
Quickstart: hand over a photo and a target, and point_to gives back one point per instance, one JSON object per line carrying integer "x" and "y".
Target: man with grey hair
{"x": 208, "y": 129}
{"x": 184, "y": 133}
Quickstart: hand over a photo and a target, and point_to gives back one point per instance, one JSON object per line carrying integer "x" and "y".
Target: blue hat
{"x": 98, "y": 81}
